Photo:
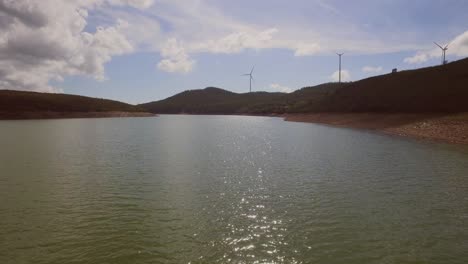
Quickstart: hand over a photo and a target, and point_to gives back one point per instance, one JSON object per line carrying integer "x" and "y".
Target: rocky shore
{"x": 450, "y": 128}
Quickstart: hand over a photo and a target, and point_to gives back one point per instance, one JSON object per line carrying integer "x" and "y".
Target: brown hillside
{"x": 435, "y": 89}
{"x": 21, "y": 101}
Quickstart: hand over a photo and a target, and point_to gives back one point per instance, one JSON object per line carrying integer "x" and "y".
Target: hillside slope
{"x": 427, "y": 90}
{"x": 434, "y": 89}
{"x": 216, "y": 101}
{"x": 21, "y": 105}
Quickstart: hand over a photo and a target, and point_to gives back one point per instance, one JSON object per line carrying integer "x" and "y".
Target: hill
{"x": 21, "y": 104}
{"x": 437, "y": 89}
{"x": 218, "y": 101}
{"x": 213, "y": 100}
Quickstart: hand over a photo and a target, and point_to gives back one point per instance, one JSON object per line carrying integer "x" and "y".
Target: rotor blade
{"x": 252, "y": 70}
{"x": 438, "y": 45}
{"x": 247, "y": 74}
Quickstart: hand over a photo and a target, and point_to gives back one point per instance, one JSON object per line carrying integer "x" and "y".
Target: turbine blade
{"x": 438, "y": 45}
{"x": 252, "y": 70}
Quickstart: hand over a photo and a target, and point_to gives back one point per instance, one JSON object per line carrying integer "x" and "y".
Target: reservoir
{"x": 226, "y": 189}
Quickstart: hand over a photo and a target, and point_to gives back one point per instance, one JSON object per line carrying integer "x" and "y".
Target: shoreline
{"x": 62, "y": 115}
{"x": 447, "y": 128}
{"x": 437, "y": 127}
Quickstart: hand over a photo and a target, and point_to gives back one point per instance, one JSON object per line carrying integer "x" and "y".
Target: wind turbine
{"x": 444, "y": 49}
{"x": 251, "y": 78}
{"x": 339, "y": 74}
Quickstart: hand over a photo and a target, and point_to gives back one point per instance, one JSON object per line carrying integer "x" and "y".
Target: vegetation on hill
{"x": 434, "y": 89}
{"x": 216, "y": 101}
{"x": 21, "y": 101}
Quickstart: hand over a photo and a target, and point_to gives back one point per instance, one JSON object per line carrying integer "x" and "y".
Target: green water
{"x": 216, "y": 189}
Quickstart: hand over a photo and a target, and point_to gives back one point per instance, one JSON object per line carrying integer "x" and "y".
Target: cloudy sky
{"x": 143, "y": 50}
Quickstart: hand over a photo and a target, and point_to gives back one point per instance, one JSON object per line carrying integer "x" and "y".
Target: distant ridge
{"x": 214, "y": 100}
{"x": 427, "y": 90}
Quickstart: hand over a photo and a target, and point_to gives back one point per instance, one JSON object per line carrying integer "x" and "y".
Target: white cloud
{"x": 175, "y": 58}
{"x": 216, "y": 33}
{"x": 221, "y": 33}
{"x": 328, "y": 7}
{"x": 306, "y": 49}
{"x": 420, "y": 57}
{"x": 46, "y": 40}
{"x": 237, "y": 42}
{"x": 372, "y": 69}
{"x": 457, "y": 47}
{"x": 345, "y": 76}
{"x": 279, "y": 88}
{"x": 141, "y": 4}
{"x": 255, "y": 39}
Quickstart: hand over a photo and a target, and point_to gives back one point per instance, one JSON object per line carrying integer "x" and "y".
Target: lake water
{"x": 226, "y": 189}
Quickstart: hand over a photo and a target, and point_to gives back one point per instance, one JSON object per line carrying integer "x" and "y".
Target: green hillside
{"x": 217, "y": 101}
{"x": 21, "y": 101}
{"x": 434, "y": 89}
{"x": 427, "y": 90}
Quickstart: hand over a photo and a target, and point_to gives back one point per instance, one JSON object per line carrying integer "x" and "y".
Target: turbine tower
{"x": 444, "y": 49}
{"x": 251, "y": 78}
{"x": 339, "y": 67}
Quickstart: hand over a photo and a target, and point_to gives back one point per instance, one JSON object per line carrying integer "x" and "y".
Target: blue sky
{"x": 147, "y": 50}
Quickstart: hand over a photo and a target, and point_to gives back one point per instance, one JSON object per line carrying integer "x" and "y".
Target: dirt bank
{"x": 54, "y": 115}
{"x": 452, "y": 128}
